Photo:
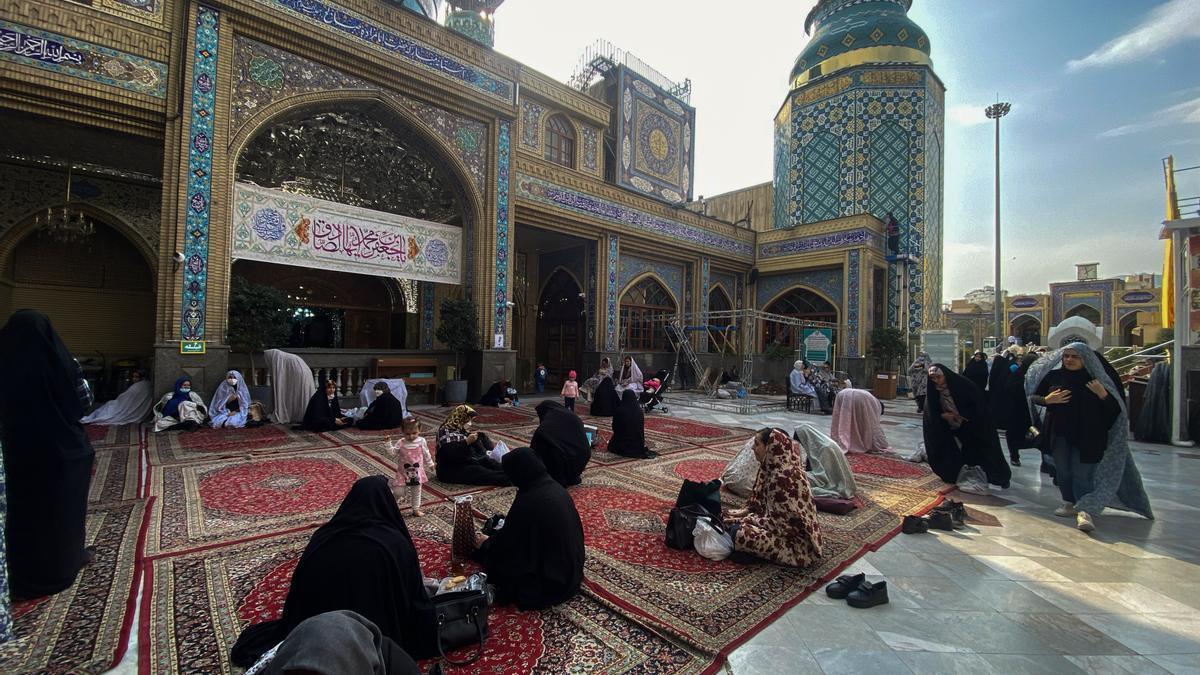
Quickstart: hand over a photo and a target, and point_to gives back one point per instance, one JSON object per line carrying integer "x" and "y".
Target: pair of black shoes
{"x": 857, "y": 591}
{"x": 949, "y": 515}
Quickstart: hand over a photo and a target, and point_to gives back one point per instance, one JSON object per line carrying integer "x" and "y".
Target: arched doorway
{"x": 1087, "y": 312}
{"x": 646, "y": 308}
{"x": 799, "y": 303}
{"x": 1027, "y": 329}
{"x": 560, "y": 325}
{"x": 99, "y": 293}
{"x": 368, "y": 154}
{"x": 1130, "y": 335}
{"x": 718, "y": 301}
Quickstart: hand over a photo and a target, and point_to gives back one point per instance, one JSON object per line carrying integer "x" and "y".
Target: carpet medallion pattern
{"x": 172, "y": 447}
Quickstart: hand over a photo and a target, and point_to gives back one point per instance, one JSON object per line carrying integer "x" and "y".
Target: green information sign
{"x": 193, "y": 347}
{"x": 817, "y": 343}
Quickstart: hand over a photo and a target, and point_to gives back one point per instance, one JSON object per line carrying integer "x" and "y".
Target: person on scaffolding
{"x": 892, "y": 229}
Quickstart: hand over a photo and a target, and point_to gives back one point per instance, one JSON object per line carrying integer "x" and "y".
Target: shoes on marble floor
{"x": 843, "y": 585}
{"x": 914, "y": 525}
{"x": 941, "y": 520}
{"x": 957, "y": 511}
{"x": 1014, "y": 458}
{"x": 868, "y": 595}
{"x": 1066, "y": 510}
{"x": 1083, "y": 522}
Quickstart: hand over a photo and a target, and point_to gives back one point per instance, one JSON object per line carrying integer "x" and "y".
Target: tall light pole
{"x": 995, "y": 112}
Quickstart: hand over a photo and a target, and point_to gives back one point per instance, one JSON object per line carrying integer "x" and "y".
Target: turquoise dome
{"x": 839, "y": 28}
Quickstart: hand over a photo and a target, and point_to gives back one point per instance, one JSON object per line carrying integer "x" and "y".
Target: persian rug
{"x": 435, "y": 490}
{"x": 229, "y": 499}
{"x": 103, "y": 436}
{"x": 714, "y": 606}
{"x": 116, "y": 474}
{"x": 172, "y": 447}
{"x": 84, "y": 629}
{"x": 195, "y": 604}
{"x": 487, "y": 417}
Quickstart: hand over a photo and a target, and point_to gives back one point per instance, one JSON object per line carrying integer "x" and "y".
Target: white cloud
{"x": 1187, "y": 112}
{"x": 1167, "y": 25}
{"x": 966, "y": 115}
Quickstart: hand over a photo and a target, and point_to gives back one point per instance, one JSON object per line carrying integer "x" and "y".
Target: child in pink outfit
{"x": 412, "y": 456}
{"x": 570, "y": 391}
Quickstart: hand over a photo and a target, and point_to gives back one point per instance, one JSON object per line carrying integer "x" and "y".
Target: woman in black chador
{"x": 561, "y": 443}
{"x": 362, "y": 560}
{"x": 324, "y": 412}
{"x": 385, "y": 412}
{"x": 629, "y": 429}
{"x": 47, "y": 457}
{"x": 976, "y": 371}
{"x": 958, "y": 429}
{"x": 536, "y": 559}
{"x": 604, "y": 399}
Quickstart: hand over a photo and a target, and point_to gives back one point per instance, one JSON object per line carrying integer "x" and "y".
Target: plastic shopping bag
{"x": 711, "y": 543}
{"x": 498, "y": 451}
{"x": 972, "y": 479}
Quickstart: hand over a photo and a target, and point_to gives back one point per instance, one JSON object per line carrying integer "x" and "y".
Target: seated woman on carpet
{"x": 462, "y": 454}
{"x": 536, "y": 559}
{"x": 587, "y": 388}
{"x": 130, "y": 407}
{"x": 362, "y": 560}
{"x": 631, "y": 377}
{"x": 231, "y": 403}
{"x": 605, "y": 399}
{"x": 385, "y": 412}
{"x": 334, "y": 643}
{"x": 561, "y": 443}
{"x": 498, "y": 395}
{"x": 958, "y": 429}
{"x": 829, "y": 474}
{"x": 180, "y": 408}
{"x": 324, "y": 412}
{"x": 855, "y": 424}
{"x": 629, "y": 429}
{"x": 779, "y": 523}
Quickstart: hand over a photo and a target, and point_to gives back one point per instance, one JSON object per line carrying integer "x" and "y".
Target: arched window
{"x": 646, "y": 308}
{"x": 798, "y": 303}
{"x": 560, "y": 141}
{"x": 718, "y": 301}
{"x": 1086, "y": 311}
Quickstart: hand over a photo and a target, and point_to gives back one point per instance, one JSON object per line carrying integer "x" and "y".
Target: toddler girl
{"x": 570, "y": 391}
{"x": 412, "y": 456}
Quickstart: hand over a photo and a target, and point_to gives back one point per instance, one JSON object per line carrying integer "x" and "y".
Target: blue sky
{"x": 1102, "y": 90}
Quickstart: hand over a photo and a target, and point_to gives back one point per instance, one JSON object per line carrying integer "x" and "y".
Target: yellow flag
{"x": 1168, "y": 281}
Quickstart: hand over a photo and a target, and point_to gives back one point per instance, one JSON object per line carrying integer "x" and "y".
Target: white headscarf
{"x": 224, "y": 391}
{"x": 635, "y": 373}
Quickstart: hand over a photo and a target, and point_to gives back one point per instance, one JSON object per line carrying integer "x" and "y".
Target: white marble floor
{"x": 1032, "y": 595}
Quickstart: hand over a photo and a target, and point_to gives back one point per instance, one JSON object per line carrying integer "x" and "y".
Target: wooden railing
{"x": 348, "y": 368}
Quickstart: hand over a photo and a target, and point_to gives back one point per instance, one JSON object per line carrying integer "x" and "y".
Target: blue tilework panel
{"x": 75, "y": 58}
{"x": 632, "y": 267}
{"x": 199, "y": 204}
{"x": 827, "y": 281}
{"x": 655, "y": 134}
{"x": 611, "y": 299}
{"x": 501, "y": 268}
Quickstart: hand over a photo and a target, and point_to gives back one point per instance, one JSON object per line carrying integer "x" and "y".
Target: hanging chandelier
{"x": 66, "y": 224}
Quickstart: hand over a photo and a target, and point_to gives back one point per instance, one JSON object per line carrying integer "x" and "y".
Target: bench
{"x": 417, "y": 371}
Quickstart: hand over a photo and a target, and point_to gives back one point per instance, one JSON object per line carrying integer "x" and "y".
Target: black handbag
{"x": 680, "y": 524}
{"x": 461, "y": 619}
{"x": 707, "y": 495}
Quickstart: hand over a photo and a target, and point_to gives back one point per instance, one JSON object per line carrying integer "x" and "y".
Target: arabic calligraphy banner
{"x": 289, "y": 229}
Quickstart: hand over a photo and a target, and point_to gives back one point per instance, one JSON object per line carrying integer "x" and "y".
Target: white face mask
{"x": 232, "y": 381}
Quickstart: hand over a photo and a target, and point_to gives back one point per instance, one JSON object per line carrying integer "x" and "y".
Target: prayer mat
{"x": 104, "y": 436}
{"x": 195, "y": 604}
{"x": 116, "y": 475}
{"x": 230, "y": 499}
{"x": 170, "y": 447}
{"x": 712, "y": 606}
{"x": 84, "y": 629}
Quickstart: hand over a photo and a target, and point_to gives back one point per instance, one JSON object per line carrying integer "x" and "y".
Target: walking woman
{"x": 1087, "y": 435}
{"x": 918, "y": 377}
{"x": 47, "y": 457}
{"x": 958, "y": 429}
{"x": 1021, "y": 425}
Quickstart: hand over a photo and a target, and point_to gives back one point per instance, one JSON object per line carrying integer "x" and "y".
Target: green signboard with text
{"x": 817, "y": 344}
{"x": 193, "y": 347}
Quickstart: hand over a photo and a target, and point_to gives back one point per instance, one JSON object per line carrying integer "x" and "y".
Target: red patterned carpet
{"x": 84, "y": 629}
{"x": 231, "y": 510}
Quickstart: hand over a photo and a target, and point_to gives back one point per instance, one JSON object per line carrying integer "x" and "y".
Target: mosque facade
{"x": 372, "y": 159}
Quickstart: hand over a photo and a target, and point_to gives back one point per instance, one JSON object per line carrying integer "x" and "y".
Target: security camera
{"x": 177, "y": 257}
{"x": 510, "y": 304}
{"x": 583, "y": 295}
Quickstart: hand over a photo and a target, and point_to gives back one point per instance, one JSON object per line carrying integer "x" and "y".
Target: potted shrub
{"x": 257, "y": 320}
{"x": 888, "y": 347}
{"x": 459, "y": 331}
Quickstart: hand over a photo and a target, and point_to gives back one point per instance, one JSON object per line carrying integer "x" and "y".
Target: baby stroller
{"x": 653, "y": 391}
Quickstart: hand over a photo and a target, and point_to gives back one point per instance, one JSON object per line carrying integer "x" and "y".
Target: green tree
{"x": 458, "y": 328}
{"x": 257, "y": 318}
{"x": 888, "y": 346}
